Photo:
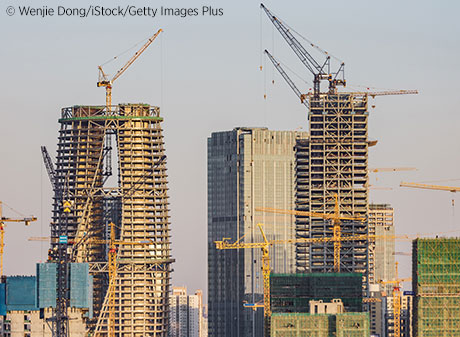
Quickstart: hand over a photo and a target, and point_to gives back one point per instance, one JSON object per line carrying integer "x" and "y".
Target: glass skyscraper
{"x": 247, "y": 168}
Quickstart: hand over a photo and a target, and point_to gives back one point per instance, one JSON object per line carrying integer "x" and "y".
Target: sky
{"x": 203, "y": 72}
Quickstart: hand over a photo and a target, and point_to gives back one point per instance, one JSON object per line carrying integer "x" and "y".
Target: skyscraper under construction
{"x": 333, "y": 161}
{"x": 136, "y": 303}
{"x": 332, "y": 164}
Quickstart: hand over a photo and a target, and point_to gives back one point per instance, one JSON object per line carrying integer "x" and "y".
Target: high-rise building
{"x": 187, "y": 318}
{"x": 407, "y": 304}
{"x": 333, "y": 161}
{"x": 382, "y": 250}
{"x": 137, "y": 205}
{"x": 406, "y": 307}
{"x": 436, "y": 283}
{"x": 247, "y": 168}
{"x": 377, "y": 310}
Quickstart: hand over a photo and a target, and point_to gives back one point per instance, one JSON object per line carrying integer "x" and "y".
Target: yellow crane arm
{"x": 397, "y": 281}
{"x": 264, "y": 246}
{"x": 304, "y": 213}
{"x": 387, "y": 93}
{"x": 431, "y": 187}
{"x": 2, "y": 231}
{"x": 136, "y": 55}
{"x": 392, "y": 169}
{"x": 225, "y": 244}
{"x": 105, "y": 82}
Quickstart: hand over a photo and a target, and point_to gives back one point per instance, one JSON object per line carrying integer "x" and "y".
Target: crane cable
{"x": 124, "y": 52}
{"x": 12, "y": 209}
{"x": 324, "y": 52}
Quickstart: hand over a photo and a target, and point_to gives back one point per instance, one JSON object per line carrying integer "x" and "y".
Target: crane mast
{"x": 3, "y": 219}
{"x": 396, "y": 300}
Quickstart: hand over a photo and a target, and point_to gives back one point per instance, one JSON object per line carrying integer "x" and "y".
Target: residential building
{"x": 377, "y": 310}
{"x": 406, "y": 321}
{"x": 187, "y": 319}
{"x": 382, "y": 250}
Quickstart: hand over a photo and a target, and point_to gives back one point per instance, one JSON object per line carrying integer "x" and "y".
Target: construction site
{"x": 109, "y": 264}
{"x": 295, "y": 245}
{"x": 345, "y": 279}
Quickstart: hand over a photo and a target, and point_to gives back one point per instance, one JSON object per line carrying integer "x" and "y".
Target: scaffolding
{"x": 293, "y": 292}
{"x": 138, "y": 206}
{"x": 436, "y": 281}
{"x": 320, "y": 325}
{"x": 352, "y": 324}
{"x": 333, "y": 161}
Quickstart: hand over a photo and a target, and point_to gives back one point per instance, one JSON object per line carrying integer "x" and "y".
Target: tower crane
{"x": 3, "y": 219}
{"x": 321, "y": 70}
{"x": 452, "y": 189}
{"x": 431, "y": 187}
{"x": 397, "y": 299}
{"x": 264, "y": 246}
{"x": 334, "y": 217}
{"x": 104, "y": 81}
{"x": 304, "y": 97}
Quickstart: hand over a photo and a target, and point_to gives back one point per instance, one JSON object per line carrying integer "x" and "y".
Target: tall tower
{"x": 382, "y": 250}
{"x": 247, "y": 168}
{"x": 138, "y": 206}
{"x": 333, "y": 161}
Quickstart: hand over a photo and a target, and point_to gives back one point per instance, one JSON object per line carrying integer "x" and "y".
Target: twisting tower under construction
{"x": 135, "y": 303}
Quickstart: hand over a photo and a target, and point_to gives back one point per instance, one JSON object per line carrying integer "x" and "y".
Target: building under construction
{"x": 351, "y": 324}
{"x": 436, "y": 283}
{"x": 333, "y": 161}
{"x": 136, "y": 304}
{"x": 294, "y": 292}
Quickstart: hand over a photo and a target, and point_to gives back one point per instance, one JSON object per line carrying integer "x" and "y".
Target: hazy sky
{"x": 204, "y": 74}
